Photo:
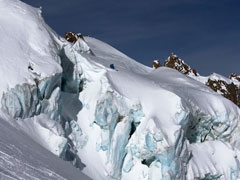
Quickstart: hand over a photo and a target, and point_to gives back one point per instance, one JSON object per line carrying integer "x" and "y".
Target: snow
{"x": 167, "y": 98}
{"x": 46, "y": 132}
{"x": 131, "y": 122}
{"x": 106, "y": 55}
{"x": 215, "y": 77}
{"x": 22, "y": 158}
{"x": 26, "y": 41}
{"x": 213, "y": 157}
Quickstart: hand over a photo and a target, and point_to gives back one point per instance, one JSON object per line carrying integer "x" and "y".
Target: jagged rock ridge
{"x": 175, "y": 63}
{"x": 229, "y": 88}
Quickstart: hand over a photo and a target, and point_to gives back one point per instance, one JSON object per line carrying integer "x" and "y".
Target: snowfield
{"x": 121, "y": 122}
{"x": 22, "y": 158}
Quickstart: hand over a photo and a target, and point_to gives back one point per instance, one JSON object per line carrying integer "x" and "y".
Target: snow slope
{"x": 25, "y": 41}
{"x": 166, "y": 104}
{"x": 22, "y": 158}
{"x": 131, "y": 122}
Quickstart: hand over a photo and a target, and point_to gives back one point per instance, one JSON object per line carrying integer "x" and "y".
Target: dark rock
{"x": 175, "y": 63}
{"x": 156, "y": 64}
{"x": 229, "y": 89}
{"x": 234, "y": 76}
{"x": 72, "y": 37}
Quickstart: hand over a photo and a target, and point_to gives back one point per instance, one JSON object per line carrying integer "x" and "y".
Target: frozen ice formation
{"x": 130, "y": 122}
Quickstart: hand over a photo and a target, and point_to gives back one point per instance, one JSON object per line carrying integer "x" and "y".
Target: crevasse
{"x": 130, "y": 122}
{"x": 45, "y": 97}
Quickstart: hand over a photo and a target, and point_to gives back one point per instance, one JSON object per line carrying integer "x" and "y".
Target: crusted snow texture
{"x": 131, "y": 122}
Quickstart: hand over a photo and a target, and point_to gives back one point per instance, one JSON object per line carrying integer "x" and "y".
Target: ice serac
{"x": 130, "y": 122}
{"x": 31, "y": 92}
{"x": 145, "y": 123}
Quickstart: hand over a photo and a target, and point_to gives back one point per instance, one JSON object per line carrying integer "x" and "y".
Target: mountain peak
{"x": 227, "y": 87}
{"x": 176, "y": 63}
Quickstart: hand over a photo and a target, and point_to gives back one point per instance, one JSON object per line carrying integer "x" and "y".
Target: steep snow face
{"x": 32, "y": 71}
{"x": 28, "y": 50}
{"x": 131, "y": 122}
{"x": 32, "y": 88}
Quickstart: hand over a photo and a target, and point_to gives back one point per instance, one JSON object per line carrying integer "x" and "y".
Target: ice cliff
{"x": 128, "y": 122}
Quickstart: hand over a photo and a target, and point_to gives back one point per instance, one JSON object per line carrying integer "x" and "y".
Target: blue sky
{"x": 205, "y": 33}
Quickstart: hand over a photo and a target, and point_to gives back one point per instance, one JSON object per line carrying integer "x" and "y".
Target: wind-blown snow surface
{"x": 22, "y": 158}
{"x": 131, "y": 122}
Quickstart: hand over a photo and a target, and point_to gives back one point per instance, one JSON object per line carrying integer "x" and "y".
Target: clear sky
{"x": 204, "y": 33}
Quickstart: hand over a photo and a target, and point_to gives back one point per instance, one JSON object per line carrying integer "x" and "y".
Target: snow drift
{"x": 131, "y": 122}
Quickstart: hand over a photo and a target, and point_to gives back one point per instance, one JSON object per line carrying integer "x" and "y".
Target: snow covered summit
{"x": 127, "y": 122}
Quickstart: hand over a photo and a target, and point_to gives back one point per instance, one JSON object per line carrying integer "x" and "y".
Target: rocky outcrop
{"x": 176, "y": 63}
{"x": 156, "y": 64}
{"x": 235, "y": 77}
{"x": 230, "y": 89}
{"x": 72, "y": 37}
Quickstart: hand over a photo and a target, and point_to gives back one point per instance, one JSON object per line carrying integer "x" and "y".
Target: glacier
{"x": 131, "y": 122}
